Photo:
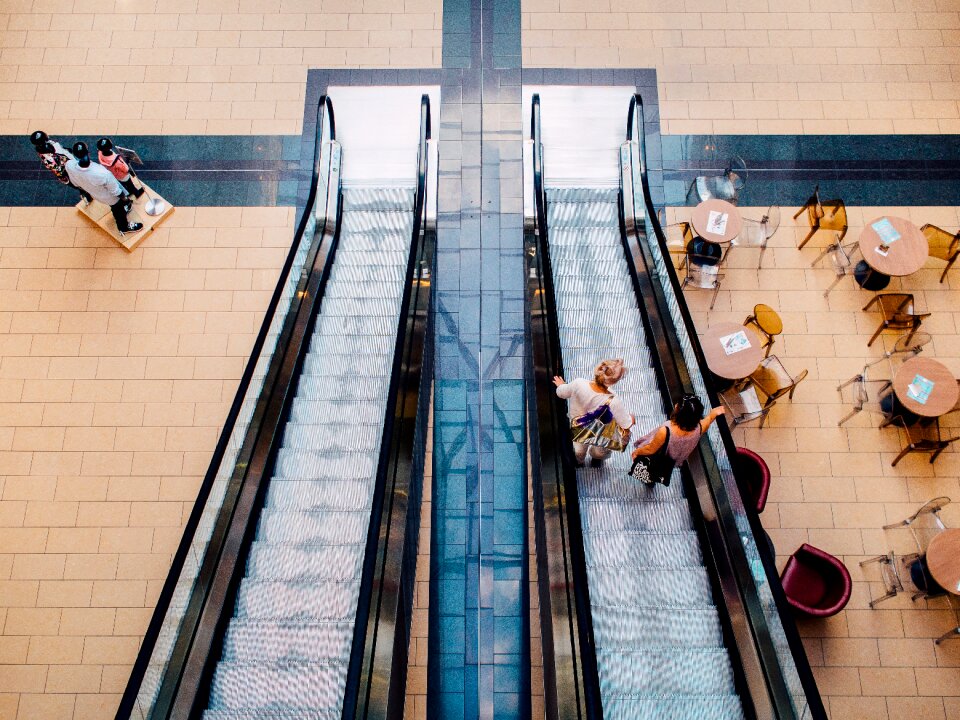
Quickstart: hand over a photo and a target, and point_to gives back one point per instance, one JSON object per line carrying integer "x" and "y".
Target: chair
{"x": 702, "y": 271}
{"x": 775, "y": 381}
{"x": 842, "y": 258}
{"x": 743, "y": 405}
{"x": 925, "y": 523}
{"x": 823, "y": 215}
{"x": 766, "y": 320}
{"x": 942, "y": 245}
{"x": 756, "y": 233}
{"x": 815, "y": 582}
{"x": 871, "y": 395}
{"x": 753, "y": 477}
{"x": 904, "y": 348}
{"x": 720, "y": 187}
{"x": 679, "y": 235}
{"x": 897, "y": 313}
{"x": 923, "y": 438}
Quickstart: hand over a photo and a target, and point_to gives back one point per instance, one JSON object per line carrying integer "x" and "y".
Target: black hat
{"x": 104, "y": 145}
{"x": 39, "y": 138}
{"x": 80, "y": 150}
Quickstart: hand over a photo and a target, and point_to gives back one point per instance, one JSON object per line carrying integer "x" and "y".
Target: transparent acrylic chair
{"x": 841, "y": 259}
{"x": 743, "y": 404}
{"x": 700, "y": 273}
{"x": 903, "y": 349}
{"x": 756, "y": 233}
{"x": 720, "y": 187}
{"x": 870, "y": 395}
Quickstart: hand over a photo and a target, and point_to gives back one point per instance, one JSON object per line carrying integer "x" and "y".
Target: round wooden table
{"x": 736, "y": 365}
{"x": 943, "y": 396}
{"x": 701, "y": 217}
{"x": 906, "y": 255}
{"x": 943, "y": 560}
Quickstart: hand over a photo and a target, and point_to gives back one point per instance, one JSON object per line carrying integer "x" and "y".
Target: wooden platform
{"x": 100, "y": 214}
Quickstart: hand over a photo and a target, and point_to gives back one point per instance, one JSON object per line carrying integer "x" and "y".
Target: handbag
{"x": 598, "y": 428}
{"x": 656, "y": 468}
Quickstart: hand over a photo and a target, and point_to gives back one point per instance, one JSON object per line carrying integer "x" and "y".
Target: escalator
{"x": 654, "y": 600}
{"x": 291, "y": 595}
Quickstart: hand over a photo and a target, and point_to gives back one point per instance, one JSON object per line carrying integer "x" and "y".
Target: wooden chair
{"x": 824, "y": 215}
{"x": 942, "y": 245}
{"x": 766, "y": 320}
{"x": 923, "y": 438}
{"x": 774, "y": 380}
{"x": 897, "y": 313}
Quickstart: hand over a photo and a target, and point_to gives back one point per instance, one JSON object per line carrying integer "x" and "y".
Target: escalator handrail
{"x": 582, "y": 693}
{"x": 379, "y": 575}
{"x": 325, "y": 133}
{"x": 774, "y": 674}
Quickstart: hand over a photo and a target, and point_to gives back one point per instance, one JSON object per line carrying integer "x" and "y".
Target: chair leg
{"x": 800, "y": 212}
{"x": 902, "y": 523}
{"x": 880, "y": 329}
{"x": 890, "y": 594}
{"x": 872, "y": 302}
{"x": 848, "y": 382}
{"x": 949, "y": 265}
{"x": 877, "y": 559}
{"x": 848, "y": 416}
{"x": 947, "y": 635}
{"x": 763, "y": 249}
{"x": 716, "y": 291}
{"x": 899, "y": 457}
{"x": 842, "y": 234}
{"x": 937, "y": 452}
{"x": 821, "y": 256}
{"x": 833, "y": 285}
{"x": 810, "y": 234}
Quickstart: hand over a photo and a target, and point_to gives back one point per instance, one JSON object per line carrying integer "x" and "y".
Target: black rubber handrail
{"x": 571, "y": 681}
{"x": 777, "y": 686}
{"x": 325, "y": 121}
{"x": 376, "y": 676}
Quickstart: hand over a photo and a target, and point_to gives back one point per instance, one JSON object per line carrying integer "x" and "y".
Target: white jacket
{"x": 96, "y": 180}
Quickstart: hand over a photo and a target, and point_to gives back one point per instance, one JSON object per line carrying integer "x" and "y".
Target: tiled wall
{"x": 193, "y": 66}
{"x": 768, "y": 66}
{"x": 116, "y": 373}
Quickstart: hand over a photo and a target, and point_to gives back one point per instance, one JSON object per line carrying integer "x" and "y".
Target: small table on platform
{"x": 943, "y": 396}
{"x": 943, "y": 560}
{"x": 905, "y": 255}
{"x": 735, "y": 365}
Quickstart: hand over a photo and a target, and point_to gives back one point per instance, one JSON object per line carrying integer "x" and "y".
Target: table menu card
{"x": 920, "y": 389}
{"x": 885, "y": 229}
{"x": 735, "y": 343}
{"x": 717, "y": 222}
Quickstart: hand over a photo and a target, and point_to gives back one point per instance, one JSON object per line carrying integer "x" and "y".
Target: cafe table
{"x": 716, "y": 222}
{"x": 943, "y": 560}
{"x": 906, "y": 251}
{"x": 732, "y": 351}
{"x": 913, "y": 393}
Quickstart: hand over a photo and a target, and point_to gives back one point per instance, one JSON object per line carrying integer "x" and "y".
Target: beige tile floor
{"x": 116, "y": 373}
{"x": 834, "y": 487}
{"x": 768, "y": 66}
{"x": 193, "y": 66}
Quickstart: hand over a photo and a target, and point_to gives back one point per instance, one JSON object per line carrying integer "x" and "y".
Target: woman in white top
{"x": 585, "y": 396}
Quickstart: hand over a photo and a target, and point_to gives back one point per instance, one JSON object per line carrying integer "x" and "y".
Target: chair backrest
{"x": 752, "y": 233}
{"x": 701, "y": 275}
{"x": 816, "y": 202}
{"x": 870, "y": 393}
{"x": 911, "y": 344}
{"x": 842, "y": 262}
{"x": 736, "y": 172}
{"x": 774, "y": 379}
{"x": 771, "y": 221}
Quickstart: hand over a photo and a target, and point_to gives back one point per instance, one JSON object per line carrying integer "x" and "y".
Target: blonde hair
{"x": 609, "y": 372}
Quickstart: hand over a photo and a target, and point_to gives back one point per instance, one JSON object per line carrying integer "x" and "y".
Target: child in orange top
{"x": 115, "y": 163}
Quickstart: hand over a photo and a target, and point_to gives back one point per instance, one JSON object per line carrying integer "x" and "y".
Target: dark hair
{"x": 687, "y": 413}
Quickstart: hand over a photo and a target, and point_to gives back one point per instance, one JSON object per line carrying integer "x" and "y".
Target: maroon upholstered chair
{"x": 816, "y": 583}
{"x": 753, "y": 476}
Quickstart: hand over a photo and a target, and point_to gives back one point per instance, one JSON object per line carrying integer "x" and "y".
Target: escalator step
{"x": 295, "y": 494}
{"x": 317, "y": 387}
{"x": 369, "y": 258}
{"x": 658, "y": 627}
{"x": 582, "y": 195}
{"x": 306, "y": 464}
{"x": 259, "y": 714}
{"x": 272, "y": 600}
{"x": 396, "y": 199}
{"x": 354, "y": 366}
{"x": 313, "y": 527}
{"x": 665, "y": 671}
{"x": 385, "y": 243}
{"x": 628, "y": 550}
{"x": 375, "y": 333}
{"x": 607, "y": 516}
{"x": 376, "y": 307}
{"x": 614, "y": 589}
{"x": 614, "y": 485}
{"x": 293, "y": 687}
{"x": 386, "y": 221}
{"x": 334, "y": 435}
{"x": 687, "y": 707}
{"x": 286, "y": 642}
{"x": 376, "y": 275}
{"x": 312, "y": 411}
{"x": 293, "y": 564}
